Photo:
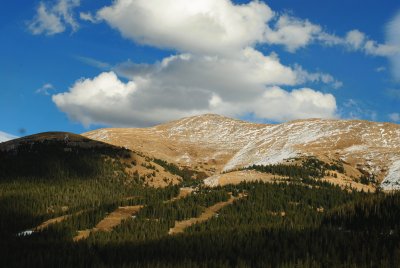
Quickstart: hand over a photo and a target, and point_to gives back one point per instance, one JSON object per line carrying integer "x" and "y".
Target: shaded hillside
{"x": 58, "y": 155}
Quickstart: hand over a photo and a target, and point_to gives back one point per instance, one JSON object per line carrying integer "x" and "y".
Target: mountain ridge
{"x": 218, "y": 144}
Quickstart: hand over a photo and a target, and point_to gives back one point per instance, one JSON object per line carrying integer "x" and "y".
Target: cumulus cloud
{"x": 393, "y": 38}
{"x": 282, "y": 105}
{"x": 189, "y": 26}
{"x": 53, "y": 19}
{"x": 185, "y": 85}
{"x": 305, "y": 76}
{"x": 356, "y": 40}
{"x": 216, "y": 69}
{"x": 219, "y": 26}
{"x": 291, "y": 32}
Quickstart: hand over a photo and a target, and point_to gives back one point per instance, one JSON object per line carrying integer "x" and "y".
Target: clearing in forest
{"x": 208, "y": 213}
{"x": 110, "y": 221}
{"x": 115, "y": 218}
{"x": 47, "y": 223}
{"x": 183, "y": 192}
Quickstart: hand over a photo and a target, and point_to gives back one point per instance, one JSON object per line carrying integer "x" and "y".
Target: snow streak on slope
{"x": 212, "y": 130}
{"x": 277, "y": 144}
{"x": 392, "y": 179}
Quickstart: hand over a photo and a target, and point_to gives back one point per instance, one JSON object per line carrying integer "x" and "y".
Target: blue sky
{"x": 73, "y": 65}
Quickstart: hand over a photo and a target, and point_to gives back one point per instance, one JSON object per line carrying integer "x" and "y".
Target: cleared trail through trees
{"x": 122, "y": 213}
{"x": 209, "y": 212}
{"x": 110, "y": 221}
{"x": 47, "y": 223}
{"x": 183, "y": 192}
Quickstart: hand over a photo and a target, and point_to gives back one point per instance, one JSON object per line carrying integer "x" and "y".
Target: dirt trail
{"x": 46, "y": 224}
{"x": 122, "y": 213}
{"x": 183, "y": 192}
{"x": 209, "y": 212}
{"x": 116, "y": 217}
{"x": 110, "y": 221}
{"x": 82, "y": 235}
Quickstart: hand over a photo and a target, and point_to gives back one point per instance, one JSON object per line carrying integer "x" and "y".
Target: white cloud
{"x": 6, "y": 137}
{"x": 87, "y": 16}
{"x": 216, "y": 69}
{"x": 45, "y": 89}
{"x": 102, "y": 99}
{"x": 355, "y": 39}
{"x": 53, "y": 19}
{"x": 211, "y": 26}
{"x": 281, "y": 105}
{"x": 220, "y": 27}
{"x": 304, "y": 76}
{"x": 384, "y": 50}
{"x": 393, "y": 38}
{"x": 186, "y": 84}
{"x": 292, "y": 32}
{"x": 395, "y": 117}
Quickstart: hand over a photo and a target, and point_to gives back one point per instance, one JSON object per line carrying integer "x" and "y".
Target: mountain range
{"x": 219, "y": 146}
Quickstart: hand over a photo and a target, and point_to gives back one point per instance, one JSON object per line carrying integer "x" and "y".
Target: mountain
{"x": 72, "y": 201}
{"x": 215, "y": 144}
{"x": 53, "y": 155}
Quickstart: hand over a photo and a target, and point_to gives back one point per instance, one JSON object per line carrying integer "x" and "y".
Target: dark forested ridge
{"x": 300, "y": 222}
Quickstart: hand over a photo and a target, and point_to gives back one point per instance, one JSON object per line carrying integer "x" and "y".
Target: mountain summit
{"x": 215, "y": 144}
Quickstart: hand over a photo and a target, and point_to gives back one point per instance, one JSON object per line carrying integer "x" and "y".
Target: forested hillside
{"x": 55, "y": 205}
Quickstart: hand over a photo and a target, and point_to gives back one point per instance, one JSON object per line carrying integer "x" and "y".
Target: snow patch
{"x": 355, "y": 148}
{"x": 275, "y": 157}
{"x": 392, "y": 179}
{"x": 185, "y": 158}
{"x": 100, "y": 135}
{"x": 212, "y": 181}
{"x": 25, "y": 233}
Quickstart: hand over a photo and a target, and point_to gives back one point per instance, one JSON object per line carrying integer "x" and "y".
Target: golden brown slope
{"x": 214, "y": 143}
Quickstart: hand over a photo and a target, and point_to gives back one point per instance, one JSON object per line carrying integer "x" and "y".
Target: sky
{"x": 78, "y": 65}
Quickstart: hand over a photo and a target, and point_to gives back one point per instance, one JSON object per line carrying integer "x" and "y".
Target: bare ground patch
{"x": 236, "y": 177}
{"x": 110, "y": 221}
{"x": 209, "y": 212}
{"x": 183, "y": 192}
{"x": 47, "y": 223}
